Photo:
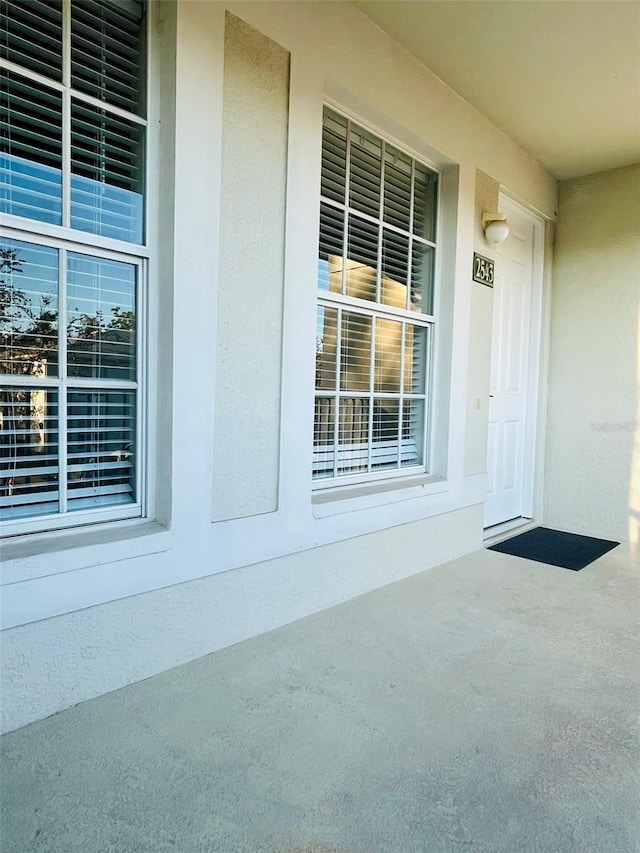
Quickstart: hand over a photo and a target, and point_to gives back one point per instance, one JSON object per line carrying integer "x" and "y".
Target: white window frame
{"x": 340, "y": 301}
{"x": 66, "y": 239}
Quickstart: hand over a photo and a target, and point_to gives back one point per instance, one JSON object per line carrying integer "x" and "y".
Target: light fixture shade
{"x": 497, "y": 230}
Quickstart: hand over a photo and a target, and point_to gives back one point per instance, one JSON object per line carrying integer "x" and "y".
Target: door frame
{"x": 531, "y": 455}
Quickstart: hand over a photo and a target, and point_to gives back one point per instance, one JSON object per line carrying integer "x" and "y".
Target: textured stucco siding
{"x": 593, "y": 443}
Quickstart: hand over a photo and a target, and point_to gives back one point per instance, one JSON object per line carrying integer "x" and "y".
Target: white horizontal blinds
{"x": 107, "y": 173}
{"x": 392, "y": 393}
{"x": 352, "y": 456}
{"x": 397, "y": 188}
{"x": 425, "y": 199}
{"x": 399, "y": 372}
{"x": 326, "y": 349}
{"x": 334, "y": 157}
{"x": 355, "y": 376}
{"x": 412, "y": 446}
{"x": 101, "y": 318}
{"x": 101, "y": 447}
{"x": 385, "y": 433}
{"x": 365, "y": 171}
{"x": 330, "y": 255}
{"x": 355, "y": 351}
{"x": 107, "y": 149}
{"x": 416, "y": 350}
{"x": 31, "y": 35}
{"x": 395, "y": 268}
{"x": 424, "y": 226}
{"x": 422, "y": 277}
{"x": 324, "y": 436}
{"x": 28, "y": 451}
{"x": 107, "y": 51}
{"x": 28, "y": 309}
{"x": 362, "y": 258}
{"x": 69, "y": 318}
{"x": 100, "y": 330}
{"x": 30, "y": 149}
{"x": 388, "y": 355}
{"x": 377, "y": 230}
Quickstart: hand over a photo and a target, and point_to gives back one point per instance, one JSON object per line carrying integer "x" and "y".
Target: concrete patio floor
{"x": 485, "y": 705}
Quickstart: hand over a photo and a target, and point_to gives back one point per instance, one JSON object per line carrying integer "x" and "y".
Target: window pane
{"x": 388, "y": 339}
{"x": 30, "y": 149}
{"x": 32, "y": 35}
{"x": 355, "y": 352}
{"x": 353, "y": 435}
{"x": 107, "y": 52}
{"x": 326, "y": 344}
{"x": 386, "y": 431}
{"x": 28, "y": 452}
{"x": 397, "y": 188}
{"x": 422, "y": 278}
{"x": 107, "y": 179}
{"x": 415, "y": 359}
{"x": 365, "y": 172}
{"x": 381, "y": 253}
{"x": 330, "y": 255}
{"x": 101, "y": 318}
{"x": 324, "y": 437}
{"x": 412, "y": 433}
{"x": 28, "y": 309}
{"x": 362, "y": 259}
{"x": 395, "y": 269}
{"x": 425, "y": 203}
{"x": 101, "y": 448}
{"x": 334, "y": 156}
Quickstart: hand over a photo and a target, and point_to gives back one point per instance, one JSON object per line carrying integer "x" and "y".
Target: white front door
{"x": 511, "y": 404}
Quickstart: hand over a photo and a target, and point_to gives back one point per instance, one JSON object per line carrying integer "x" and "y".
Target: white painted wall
{"x": 90, "y": 610}
{"x": 479, "y": 366}
{"x": 593, "y": 437}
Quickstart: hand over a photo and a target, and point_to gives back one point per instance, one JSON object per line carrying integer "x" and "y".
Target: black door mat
{"x": 555, "y": 547}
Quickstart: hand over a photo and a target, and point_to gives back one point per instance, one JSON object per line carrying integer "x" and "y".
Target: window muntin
{"x": 376, "y": 279}
{"x": 72, "y": 274}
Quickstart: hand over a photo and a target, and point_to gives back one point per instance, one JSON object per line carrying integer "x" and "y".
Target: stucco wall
{"x": 477, "y": 417}
{"x": 90, "y": 610}
{"x": 593, "y": 458}
{"x": 251, "y": 283}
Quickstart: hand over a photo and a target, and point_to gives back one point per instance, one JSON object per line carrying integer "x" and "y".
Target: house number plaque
{"x": 482, "y": 269}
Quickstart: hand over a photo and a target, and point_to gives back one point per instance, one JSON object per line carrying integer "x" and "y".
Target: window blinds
{"x": 31, "y": 35}
{"x": 30, "y": 149}
{"x": 72, "y": 155}
{"x": 376, "y": 249}
{"x": 107, "y": 162}
{"x": 107, "y": 52}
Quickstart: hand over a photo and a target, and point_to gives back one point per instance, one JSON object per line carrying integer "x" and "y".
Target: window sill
{"x": 343, "y": 499}
{"x": 40, "y": 554}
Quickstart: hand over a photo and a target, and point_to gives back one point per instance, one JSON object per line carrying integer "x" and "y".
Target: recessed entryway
{"x": 514, "y": 368}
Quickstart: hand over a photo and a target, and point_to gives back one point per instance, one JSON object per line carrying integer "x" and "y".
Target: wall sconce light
{"x": 495, "y": 226}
